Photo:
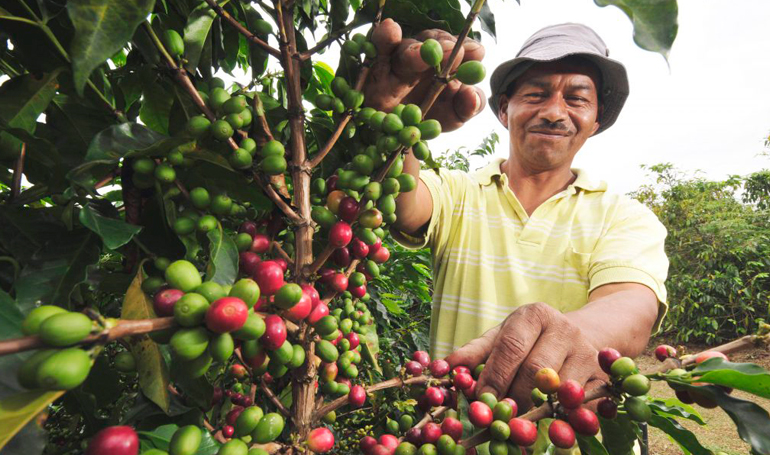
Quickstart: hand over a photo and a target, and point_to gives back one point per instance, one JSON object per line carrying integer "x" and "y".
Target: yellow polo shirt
{"x": 490, "y": 257}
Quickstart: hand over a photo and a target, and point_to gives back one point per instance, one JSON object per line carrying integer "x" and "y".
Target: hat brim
{"x": 615, "y": 87}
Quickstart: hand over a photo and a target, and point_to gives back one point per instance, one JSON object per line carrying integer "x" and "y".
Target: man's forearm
{"x": 622, "y": 320}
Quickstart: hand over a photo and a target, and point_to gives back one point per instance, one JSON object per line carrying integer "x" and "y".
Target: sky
{"x": 709, "y": 112}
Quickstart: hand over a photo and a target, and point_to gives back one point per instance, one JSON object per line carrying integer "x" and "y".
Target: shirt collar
{"x": 489, "y": 173}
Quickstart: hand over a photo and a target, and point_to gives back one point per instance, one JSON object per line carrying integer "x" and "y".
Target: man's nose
{"x": 554, "y": 109}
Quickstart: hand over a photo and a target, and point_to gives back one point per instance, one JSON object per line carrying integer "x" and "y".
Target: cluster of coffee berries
{"x": 678, "y": 376}
{"x": 358, "y": 44}
{"x": 61, "y": 365}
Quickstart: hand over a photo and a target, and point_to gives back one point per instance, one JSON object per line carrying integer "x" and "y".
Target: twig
{"x": 254, "y": 39}
{"x": 272, "y": 396}
{"x": 390, "y": 383}
{"x": 259, "y": 113}
{"x": 123, "y": 328}
{"x": 319, "y": 261}
{"x": 740, "y": 344}
{"x": 275, "y": 246}
{"x": 541, "y": 412}
{"x": 18, "y": 171}
{"x": 326, "y": 41}
{"x": 278, "y": 200}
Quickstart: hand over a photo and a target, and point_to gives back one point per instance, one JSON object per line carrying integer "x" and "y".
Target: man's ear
{"x": 598, "y": 122}
{"x": 502, "y": 110}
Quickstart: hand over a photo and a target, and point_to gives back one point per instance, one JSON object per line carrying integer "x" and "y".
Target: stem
{"x": 275, "y": 246}
{"x": 18, "y": 171}
{"x": 123, "y": 328}
{"x": 254, "y": 39}
{"x": 541, "y": 412}
{"x": 389, "y": 384}
{"x": 319, "y": 261}
{"x": 273, "y": 397}
{"x": 277, "y": 200}
{"x": 326, "y": 41}
{"x": 441, "y": 82}
{"x": 740, "y": 344}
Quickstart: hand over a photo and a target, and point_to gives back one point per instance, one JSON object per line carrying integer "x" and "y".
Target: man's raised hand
{"x": 399, "y": 75}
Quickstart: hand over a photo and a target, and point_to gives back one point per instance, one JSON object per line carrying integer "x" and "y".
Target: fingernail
{"x": 477, "y": 103}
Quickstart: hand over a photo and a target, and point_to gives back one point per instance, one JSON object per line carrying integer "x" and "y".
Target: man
{"x": 535, "y": 264}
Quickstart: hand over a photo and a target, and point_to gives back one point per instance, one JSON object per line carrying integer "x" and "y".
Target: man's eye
{"x": 535, "y": 95}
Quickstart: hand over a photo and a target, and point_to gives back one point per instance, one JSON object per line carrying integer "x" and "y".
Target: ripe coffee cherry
{"x": 275, "y": 333}
{"x": 703, "y": 356}
{"x": 607, "y": 408}
{"x": 460, "y": 369}
{"x": 341, "y": 257}
{"x": 584, "y": 421}
{"x": 163, "y": 301}
{"x": 462, "y": 381}
{"x": 422, "y": 357}
{"x": 430, "y": 433}
{"x": 317, "y": 313}
{"x": 480, "y": 414}
{"x": 320, "y": 440}
{"x": 435, "y": 396}
{"x": 389, "y": 441}
{"x": 248, "y": 261}
{"x": 413, "y": 368}
{"x": 439, "y": 368}
{"x": 358, "y": 291}
{"x": 523, "y": 432}
{"x": 452, "y": 427}
{"x": 357, "y": 396}
{"x": 301, "y": 309}
{"x": 348, "y": 209}
{"x": 547, "y": 380}
{"x": 260, "y": 243}
{"x": 366, "y": 444}
{"x": 228, "y": 431}
{"x": 339, "y": 282}
{"x": 359, "y": 249}
{"x": 352, "y": 337}
{"x": 664, "y": 351}
{"x": 414, "y": 435}
{"x": 607, "y": 357}
{"x": 269, "y": 277}
{"x": 379, "y": 256}
{"x": 238, "y": 371}
{"x": 571, "y": 394}
{"x": 312, "y": 292}
{"x": 561, "y": 434}
{"x": 249, "y": 227}
{"x": 282, "y": 263}
{"x": 117, "y": 440}
{"x": 380, "y": 449}
{"x": 340, "y": 234}
{"x": 226, "y": 315}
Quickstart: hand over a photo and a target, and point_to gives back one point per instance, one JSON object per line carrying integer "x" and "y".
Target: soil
{"x": 719, "y": 434}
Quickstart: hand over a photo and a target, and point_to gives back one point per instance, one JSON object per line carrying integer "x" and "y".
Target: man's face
{"x": 553, "y": 109}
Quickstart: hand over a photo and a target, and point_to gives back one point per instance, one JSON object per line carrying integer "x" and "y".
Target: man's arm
{"x": 537, "y": 336}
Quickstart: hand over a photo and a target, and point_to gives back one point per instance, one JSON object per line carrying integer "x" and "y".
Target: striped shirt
{"x": 490, "y": 257}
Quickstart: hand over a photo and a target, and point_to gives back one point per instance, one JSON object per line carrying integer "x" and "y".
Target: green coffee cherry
{"x": 64, "y": 370}
{"x": 173, "y": 43}
{"x": 65, "y": 329}
{"x": 185, "y": 441}
{"x": 471, "y": 72}
{"x": 431, "y": 52}
{"x": 31, "y": 324}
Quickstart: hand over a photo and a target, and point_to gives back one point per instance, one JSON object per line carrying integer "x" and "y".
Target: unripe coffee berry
{"x": 623, "y": 367}
{"x": 547, "y": 380}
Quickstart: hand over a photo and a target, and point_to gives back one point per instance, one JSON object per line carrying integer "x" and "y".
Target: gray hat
{"x": 556, "y": 42}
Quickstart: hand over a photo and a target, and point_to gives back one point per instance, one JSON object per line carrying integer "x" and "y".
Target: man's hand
{"x": 533, "y": 337}
{"x": 400, "y": 76}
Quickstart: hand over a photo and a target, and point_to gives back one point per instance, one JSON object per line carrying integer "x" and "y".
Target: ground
{"x": 720, "y": 432}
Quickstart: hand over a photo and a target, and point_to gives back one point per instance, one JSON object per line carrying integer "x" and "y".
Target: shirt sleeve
{"x": 442, "y": 186}
{"x": 632, "y": 251}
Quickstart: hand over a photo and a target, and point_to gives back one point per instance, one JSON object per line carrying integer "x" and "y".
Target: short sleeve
{"x": 442, "y": 186}
{"x": 632, "y": 250}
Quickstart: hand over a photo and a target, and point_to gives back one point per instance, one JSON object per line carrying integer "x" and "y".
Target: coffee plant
{"x": 187, "y": 262}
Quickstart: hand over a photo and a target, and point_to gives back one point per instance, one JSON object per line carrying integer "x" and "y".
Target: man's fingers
{"x": 406, "y": 62}
{"x": 473, "y": 50}
{"x": 386, "y": 37}
{"x": 546, "y": 353}
{"x": 592, "y": 384}
{"x": 578, "y": 366}
{"x": 517, "y": 336}
{"x": 474, "y": 352}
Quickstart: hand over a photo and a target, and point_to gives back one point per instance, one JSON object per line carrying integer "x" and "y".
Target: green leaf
{"x": 114, "y": 233}
{"x": 416, "y": 15}
{"x": 682, "y": 436}
{"x": 10, "y": 317}
{"x": 56, "y": 268}
{"x": 618, "y": 435}
{"x": 589, "y": 444}
{"x": 22, "y": 100}
{"x": 17, "y": 410}
{"x": 223, "y": 258}
{"x": 195, "y": 33}
{"x": 675, "y": 408}
{"x": 748, "y": 377}
{"x": 751, "y": 420}
{"x": 117, "y": 141}
{"x": 102, "y": 28}
{"x": 152, "y": 368}
{"x": 655, "y": 22}
{"x": 157, "y": 99}
{"x": 160, "y": 438}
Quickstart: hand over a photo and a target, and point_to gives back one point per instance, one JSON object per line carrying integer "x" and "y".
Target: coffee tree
{"x": 188, "y": 269}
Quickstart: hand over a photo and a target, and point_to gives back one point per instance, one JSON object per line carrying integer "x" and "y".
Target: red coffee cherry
{"x": 523, "y": 432}
{"x": 571, "y": 394}
{"x": 452, "y": 427}
{"x": 607, "y": 357}
{"x": 480, "y": 414}
{"x": 703, "y": 356}
{"x": 584, "y": 421}
{"x": 320, "y": 440}
{"x": 163, "y": 301}
{"x": 462, "y": 381}
{"x": 430, "y": 433}
{"x": 422, "y": 357}
{"x": 561, "y": 434}
{"x": 607, "y": 408}
{"x": 664, "y": 351}
{"x": 228, "y": 431}
{"x": 117, "y": 440}
{"x": 227, "y": 314}
{"x": 439, "y": 368}
{"x": 366, "y": 444}
{"x": 275, "y": 333}
{"x": 357, "y": 396}
{"x": 435, "y": 396}
{"x": 413, "y": 368}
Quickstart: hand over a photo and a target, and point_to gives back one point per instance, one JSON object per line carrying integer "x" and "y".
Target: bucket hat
{"x": 556, "y": 42}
